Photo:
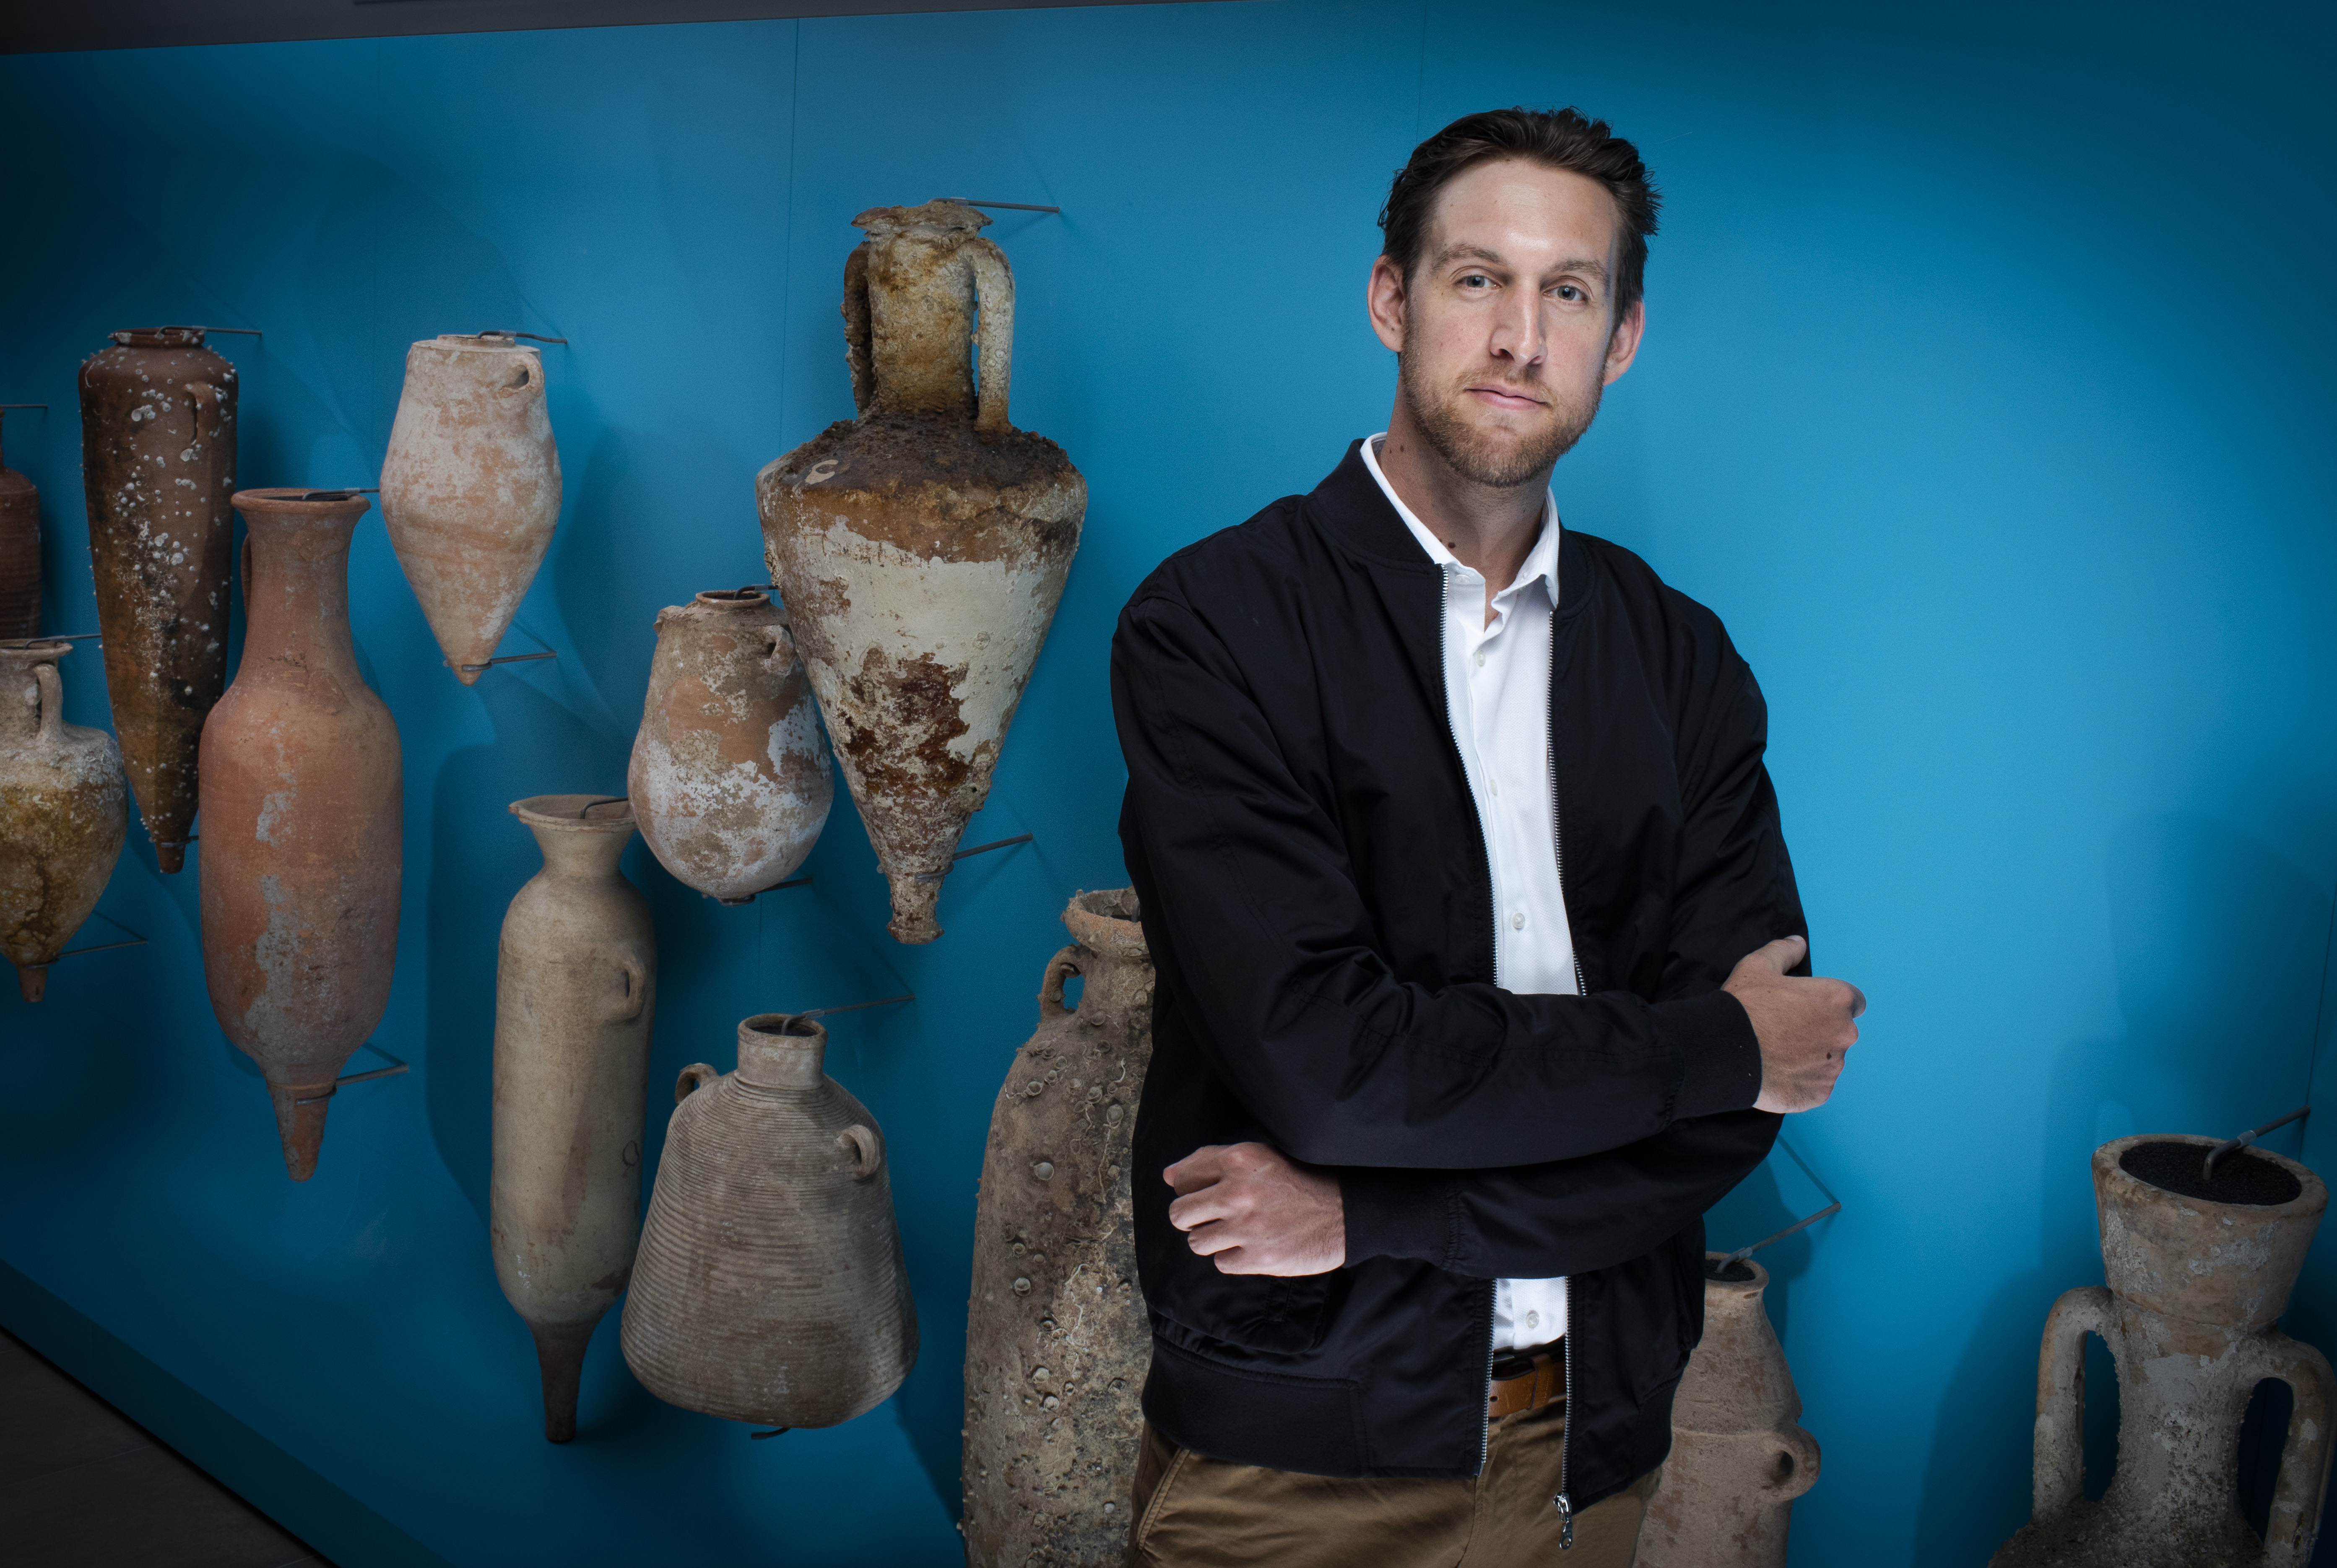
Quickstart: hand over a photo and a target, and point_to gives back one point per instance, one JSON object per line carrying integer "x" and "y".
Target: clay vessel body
{"x": 62, "y": 813}
{"x": 1739, "y": 1456}
{"x": 729, "y": 775}
{"x": 470, "y": 487}
{"x": 158, "y": 468}
{"x": 20, "y": 555}
{"x": 921, "y": 548}
{"x": 575, "y": 995}
{"x": 2195, "y": 1287}
{"x": 769, "y": 1286}
{"x": 302, "y": 843}
{"x": 1057, "y": 1341}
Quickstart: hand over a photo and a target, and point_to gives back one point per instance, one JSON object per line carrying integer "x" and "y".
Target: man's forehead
{"x": 1509, "y": 205}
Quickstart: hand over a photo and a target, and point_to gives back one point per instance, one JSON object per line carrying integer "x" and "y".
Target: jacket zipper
{"x": 1565, "y": 1498}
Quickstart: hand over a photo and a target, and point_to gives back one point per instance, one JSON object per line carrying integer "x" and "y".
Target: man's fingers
{"x": 1195, "y": 1171}
{"x": 1196, "y": 1210}
{"x": 1857, "y": 1000}
{"x": 1207, "y": 1240}
{"x": 1780, "y": 956}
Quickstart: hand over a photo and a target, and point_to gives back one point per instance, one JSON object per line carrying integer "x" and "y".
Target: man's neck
{"x": 1489, "y": 529}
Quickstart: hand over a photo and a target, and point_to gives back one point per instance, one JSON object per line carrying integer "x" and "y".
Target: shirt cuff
{"x": 1719, "y": 1054}
{"x": 1394, "y": 1213}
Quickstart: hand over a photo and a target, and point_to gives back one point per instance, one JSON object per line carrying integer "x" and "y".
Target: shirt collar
{"x": 1540, "y": 562}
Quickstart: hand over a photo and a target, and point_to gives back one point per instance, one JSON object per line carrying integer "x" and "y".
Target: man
{"x": 1481, "y": 968}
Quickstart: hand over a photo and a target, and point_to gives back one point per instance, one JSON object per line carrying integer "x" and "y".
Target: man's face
{"x": 1506, "y": 329}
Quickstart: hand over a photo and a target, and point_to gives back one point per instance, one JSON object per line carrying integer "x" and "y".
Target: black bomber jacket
{"x": 1315, "y": 887}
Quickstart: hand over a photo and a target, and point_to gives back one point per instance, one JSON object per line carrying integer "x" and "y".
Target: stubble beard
{"x": 1492, "y": 460}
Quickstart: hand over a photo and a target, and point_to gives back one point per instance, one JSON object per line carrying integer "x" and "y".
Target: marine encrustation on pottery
{"x": 921, "y": 549}
{"x": 575, "y": 994}
{"x": 20, "y": 555}
{"x": 63, "y": 812}
{"x": 2199, "y": 1270}
{"x": 769, "y": 1286}
{"x": 301, "y": 820}
{"x": 729, "y": 775}
{"x": 471, "y": 487}
{"x": 158, "y": 470}
{"x": 1058, "y": 1340}
{"x": 1739, "y": 1456}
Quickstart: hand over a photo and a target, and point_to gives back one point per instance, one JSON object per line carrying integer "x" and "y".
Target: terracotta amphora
{"x": 1739, "y": 1456}
{"x": 2199, "y": 1270}
{"x": 302, "y": 839}
{"x": 62, "y": 813}
{"x": 921, "y": 548}
{"x": 158, "y": 470}
{"x": 471, "y": 487}
{"x": 769, "y": 1286}
{"x": 575, "y": 994}
{"x": 20, "y": 555}
{"x": 729, "y": 775}
{"x": 1057, "y": 1341}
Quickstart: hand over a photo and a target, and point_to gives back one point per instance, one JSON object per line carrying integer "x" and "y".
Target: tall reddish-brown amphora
{"x": 61, "y": 813}
{"x": 921, "y": 548}
{"x": 158, "y": 470}
{"x": 471, "y": 487}
{"x": 20, "y": 555}
{"x": 301, "y": 834}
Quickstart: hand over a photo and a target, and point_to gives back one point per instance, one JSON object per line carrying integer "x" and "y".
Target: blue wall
{"x": 1985, "y": 395}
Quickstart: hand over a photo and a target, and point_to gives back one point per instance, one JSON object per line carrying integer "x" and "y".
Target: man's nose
{"x": 1518, "y": 334}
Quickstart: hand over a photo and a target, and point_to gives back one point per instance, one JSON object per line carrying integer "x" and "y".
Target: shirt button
{"x": 1518, "y": 921}
{"x": 1480, "y": 658}
{"x": 1495, "y": 785}
{"x": 1533, "y": 1319}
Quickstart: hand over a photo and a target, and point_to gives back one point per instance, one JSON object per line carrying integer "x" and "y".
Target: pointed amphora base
{"x": 915, "y": 897}
{"x": 300, "y": 1123}
{"x": 560, "y": 1355}
{"x": 33, "y": 980}
{"x": 171, "y": 857}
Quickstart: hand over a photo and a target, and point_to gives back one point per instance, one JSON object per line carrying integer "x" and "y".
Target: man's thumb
{"x": 1784, "y": 953}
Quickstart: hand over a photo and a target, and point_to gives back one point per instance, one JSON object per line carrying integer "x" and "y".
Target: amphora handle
{"x": 636, "y": 994}
{"x": 1797, "y": 1465}
{"x": 2061, "y": 1459}
{"x": 993, "y": 290}
{"x": 1059, "y": 969}
{"x": 52, "y": 711}
{"x": 857, "y": 328}
{"x": 695, "y": 1076}
{"x": 867, "y": 1150}
{"x": 2290, "y": 1526}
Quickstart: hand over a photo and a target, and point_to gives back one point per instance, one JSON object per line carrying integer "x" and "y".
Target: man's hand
{"x": 1253, "y": 1211}
{"x": 1804, "y": 1024}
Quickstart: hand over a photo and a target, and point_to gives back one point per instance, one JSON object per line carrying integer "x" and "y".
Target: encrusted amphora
{"x": 158, "y": 470}
{"x": 20, "y": 555}
{"x": 470, "y": 487}
{"x": 302, "y": 831}
{"x": 729, "y": 775}
{"x": 62, "y": 813}
{"x": 1057, "y": 1341}
{"x": 575, "y": 994}
{"x": 1739, "y": 1456}
{"x": 2200, "y": 1269}
{"x": 921, "y": 548}
{"x": 770, "y": 1285}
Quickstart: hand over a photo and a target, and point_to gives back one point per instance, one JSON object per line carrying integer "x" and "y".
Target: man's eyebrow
{"x": 1584, "y": 265}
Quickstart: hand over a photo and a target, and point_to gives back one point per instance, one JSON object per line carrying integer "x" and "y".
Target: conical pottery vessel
{"x": 471, "y": 487}
{"x": 921, "y": 548}
{"x": 769, "y": 1286}
{"x": 158, "y": 470}
{"x": 1739, "y": 1456}
{"x": 729, "y": 774}
{"x": 20, "y": 555}
{"x": 2200, "y": 1269}
{"x": 302, "y": 843}
{"x": 575, "y": 994}
{"x": 62, "y": 813}
{"x": 1058, "y": 1340}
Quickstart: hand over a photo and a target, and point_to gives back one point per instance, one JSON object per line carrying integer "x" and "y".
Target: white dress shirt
{"x": 1497, "y": 693}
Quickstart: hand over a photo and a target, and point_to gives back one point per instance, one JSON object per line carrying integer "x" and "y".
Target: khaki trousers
{"x": 1191, "y": 1511}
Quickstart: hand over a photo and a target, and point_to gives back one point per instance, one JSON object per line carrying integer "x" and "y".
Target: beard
{"x": 1493, "y": 459}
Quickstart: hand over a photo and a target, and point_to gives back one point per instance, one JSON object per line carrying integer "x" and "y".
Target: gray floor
{"x": 81, "y": 1485}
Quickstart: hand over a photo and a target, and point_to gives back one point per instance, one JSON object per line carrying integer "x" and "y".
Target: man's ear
{"x": 1383, "y": 298}
{"x": 1623, "y": 343}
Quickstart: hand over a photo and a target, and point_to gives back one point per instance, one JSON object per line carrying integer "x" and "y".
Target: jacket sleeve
{"x": 1340, "y": 1061}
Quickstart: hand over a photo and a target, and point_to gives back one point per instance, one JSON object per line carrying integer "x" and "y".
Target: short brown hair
{"x": 1553, "y": 138}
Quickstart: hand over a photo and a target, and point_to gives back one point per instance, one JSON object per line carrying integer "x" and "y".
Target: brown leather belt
{"x": 1527, "y": 1382}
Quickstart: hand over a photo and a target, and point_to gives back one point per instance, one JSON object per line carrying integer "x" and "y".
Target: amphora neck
{"x": 582, "y": 836}
{"x": 298, "y": 592}
{"x": 30, "y": 690}
{"x": 782, "y": 1050}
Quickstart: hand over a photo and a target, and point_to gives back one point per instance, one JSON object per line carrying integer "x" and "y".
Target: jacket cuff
{"x": 1393, "y": 1213}
{"x": 1720, "y": 1056}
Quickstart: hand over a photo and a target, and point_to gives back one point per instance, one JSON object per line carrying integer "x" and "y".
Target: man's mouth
{"x": 1503, "y": 397}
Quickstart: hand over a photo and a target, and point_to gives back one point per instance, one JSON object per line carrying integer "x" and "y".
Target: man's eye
{"x": 1476, "y": 280}
{"x": 1568, "y": 291}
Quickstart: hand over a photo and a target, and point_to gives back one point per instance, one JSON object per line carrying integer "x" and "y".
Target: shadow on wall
{"x": 2218, "y": 943}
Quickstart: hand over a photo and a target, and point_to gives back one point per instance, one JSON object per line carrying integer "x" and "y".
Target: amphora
{"x": 769, "y": 1286}
{"x": 158, "y": 470}
{"x": 20, "y": 555}
{"x": 2199, "y": 1270}
{"x": 62, "y": 813}
{"x": 470, "y": 487}
{"x": 1058, "y": 1340}
{"x": 301, "y": 820}
{"x": 921, "y": 548}
{"x": 575, "y": 993}
{"x": 729, "y": 775}
{"x": 1739, "y": 1456}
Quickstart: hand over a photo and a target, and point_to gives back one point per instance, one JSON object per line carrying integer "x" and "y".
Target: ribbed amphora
{"x": 62, "y": 813}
